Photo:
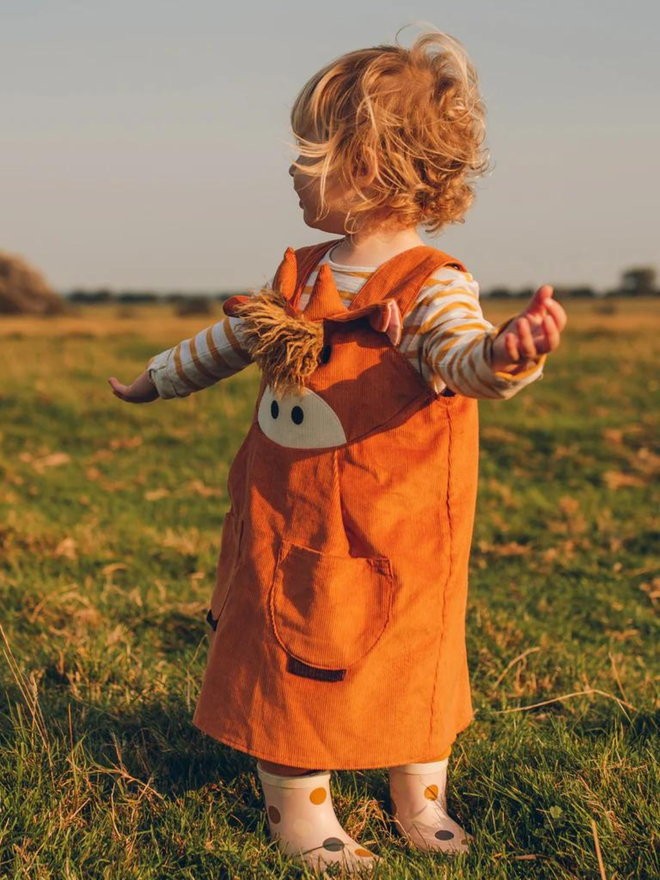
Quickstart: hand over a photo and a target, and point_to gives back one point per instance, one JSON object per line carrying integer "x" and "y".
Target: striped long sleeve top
{"x": 445, "y": 336}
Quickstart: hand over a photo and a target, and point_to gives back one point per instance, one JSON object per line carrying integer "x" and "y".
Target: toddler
{"x": 338, "y": 616}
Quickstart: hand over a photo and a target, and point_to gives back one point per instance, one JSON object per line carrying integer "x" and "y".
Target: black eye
{"x": 274, "y": 409}
{"x": 297, "y": 415}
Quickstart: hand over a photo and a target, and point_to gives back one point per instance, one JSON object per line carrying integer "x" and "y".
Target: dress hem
{"x": 371, "y": 765}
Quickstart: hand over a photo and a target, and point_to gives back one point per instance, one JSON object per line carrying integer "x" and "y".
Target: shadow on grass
{"x": 151, "y": 754}
{"x": 155, "y": 743}
{"x": 513, "y": 779}
{"x": 636, "y": 727}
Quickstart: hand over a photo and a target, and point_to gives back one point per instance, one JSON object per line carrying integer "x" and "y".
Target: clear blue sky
{"x": 143, "y": 142}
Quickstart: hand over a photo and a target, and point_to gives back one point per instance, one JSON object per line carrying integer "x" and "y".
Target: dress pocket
{"x": 230, "y": 546}
{"x": 329, "y": 611}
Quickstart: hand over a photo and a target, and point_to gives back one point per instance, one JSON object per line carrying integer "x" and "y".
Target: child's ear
{"x": 363, "y": 174}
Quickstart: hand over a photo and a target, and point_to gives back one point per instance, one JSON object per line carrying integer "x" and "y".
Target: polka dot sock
{"x": 419, "y": 807}
{"x": 302, "y": 820}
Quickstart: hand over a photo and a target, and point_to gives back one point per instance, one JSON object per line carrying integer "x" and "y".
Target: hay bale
{"x": 24, "y": 290}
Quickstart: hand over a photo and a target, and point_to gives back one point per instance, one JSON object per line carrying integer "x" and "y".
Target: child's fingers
{"x": 558, "y": 313}
{"x": 539, "y": 302}
{"x": 552, "y": 334}
{"x": 525, "y": 339}
{"x": 116, "y": 385}
{"x": 511, "y": 345}
{"x": 546, "y": 336}
{"x": 529, "y": 344}
{"x": 544, "y": 293}
{"x": 121, "y": 391}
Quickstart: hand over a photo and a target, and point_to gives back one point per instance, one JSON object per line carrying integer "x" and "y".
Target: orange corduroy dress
{"x": 340, "y": 596}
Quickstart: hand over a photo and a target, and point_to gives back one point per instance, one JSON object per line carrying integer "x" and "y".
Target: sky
{"x": 144, "y": 143}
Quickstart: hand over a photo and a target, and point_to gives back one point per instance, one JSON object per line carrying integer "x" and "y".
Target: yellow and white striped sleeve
{"x": 457, "y": 340}
{"x": 199, "y": 362}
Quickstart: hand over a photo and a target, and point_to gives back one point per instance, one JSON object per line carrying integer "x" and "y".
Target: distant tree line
{"x": 634, "y": 282}
{"x": 104, "y": 295}
{"x": 185, "y": 303}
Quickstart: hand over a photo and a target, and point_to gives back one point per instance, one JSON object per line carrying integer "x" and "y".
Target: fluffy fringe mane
{"x": 285, "y": 348}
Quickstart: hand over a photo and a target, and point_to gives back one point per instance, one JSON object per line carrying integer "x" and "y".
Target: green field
{"x": 110, "y": 517}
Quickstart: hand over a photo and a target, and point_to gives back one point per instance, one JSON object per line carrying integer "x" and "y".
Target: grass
{"x": 109, "y": 530}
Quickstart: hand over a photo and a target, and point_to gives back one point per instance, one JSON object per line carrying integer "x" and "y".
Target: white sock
{"x": 303, "y": 822}
{"x": 419, "y": 807}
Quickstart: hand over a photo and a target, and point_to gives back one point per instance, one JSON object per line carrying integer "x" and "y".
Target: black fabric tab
{"x": 211, "y": 622}
{"x": 302, "y": 669}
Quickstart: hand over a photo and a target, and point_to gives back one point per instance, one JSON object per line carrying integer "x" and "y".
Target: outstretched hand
{"x": 142, "y": 390}
{"x": 536, "y": 331}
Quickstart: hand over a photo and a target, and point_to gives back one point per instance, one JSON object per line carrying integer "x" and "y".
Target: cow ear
{"x": 285, "y": 277}
{"x": 387, "y": 319}
{"x": 230, "y": 305}
{"x": 324, "y": 299}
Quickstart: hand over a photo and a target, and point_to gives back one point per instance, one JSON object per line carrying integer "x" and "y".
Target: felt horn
{"x": 324, "y": 299}
{"x": 285, "y": 277}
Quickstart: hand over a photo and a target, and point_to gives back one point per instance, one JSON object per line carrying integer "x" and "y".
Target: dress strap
{"x": 402, "y": 277}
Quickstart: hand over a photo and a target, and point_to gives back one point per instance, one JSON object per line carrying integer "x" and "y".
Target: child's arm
{"x": 212, "y": 354}
{"x": 470, "y": 355}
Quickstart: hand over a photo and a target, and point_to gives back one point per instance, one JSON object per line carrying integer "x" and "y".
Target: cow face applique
{"x": 299, "y": 421}
{"x": 290, "y": 344}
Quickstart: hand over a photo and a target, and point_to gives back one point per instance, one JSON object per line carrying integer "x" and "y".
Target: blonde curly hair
{"x": 401, "y": 129}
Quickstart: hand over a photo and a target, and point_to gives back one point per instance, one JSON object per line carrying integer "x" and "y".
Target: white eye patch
{"x": 303, "y": 421}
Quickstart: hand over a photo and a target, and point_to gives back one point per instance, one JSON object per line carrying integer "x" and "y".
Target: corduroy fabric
{"x": 352, "y": 557}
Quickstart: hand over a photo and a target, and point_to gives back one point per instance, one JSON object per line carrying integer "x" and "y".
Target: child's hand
{"x": 537, "y": 331}
{"x": 142, "y": 390}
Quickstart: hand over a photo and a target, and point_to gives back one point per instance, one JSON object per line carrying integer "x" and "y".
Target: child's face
{"x": 308, "y": 191}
